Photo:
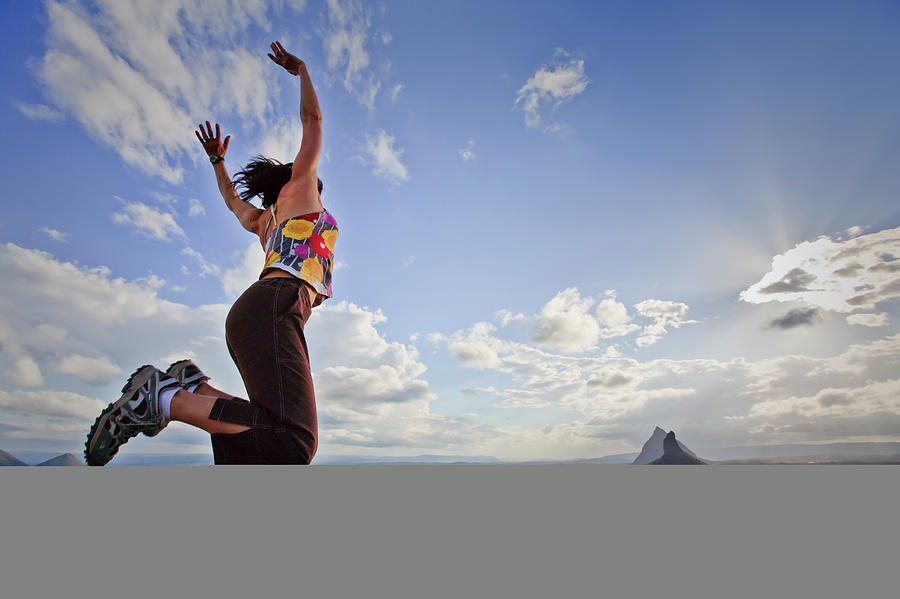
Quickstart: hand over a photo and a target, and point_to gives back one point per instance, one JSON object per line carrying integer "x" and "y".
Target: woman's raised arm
{"x": 246, "y": 212}
{"x": 310, "y": 114}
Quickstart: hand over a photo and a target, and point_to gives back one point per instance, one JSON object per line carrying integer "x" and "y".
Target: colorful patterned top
{"x": 304, "y": 246}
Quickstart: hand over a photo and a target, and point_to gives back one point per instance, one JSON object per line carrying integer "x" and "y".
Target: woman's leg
{"x": 205, "y": 388}
{"x": 264, "y": 335}
{"x": 194, "y": 409}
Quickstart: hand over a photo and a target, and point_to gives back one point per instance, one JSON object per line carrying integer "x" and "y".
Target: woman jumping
{"x": 263, "y": 330}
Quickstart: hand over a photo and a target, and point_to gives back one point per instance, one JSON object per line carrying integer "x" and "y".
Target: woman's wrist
{"x": 215, "y": 158}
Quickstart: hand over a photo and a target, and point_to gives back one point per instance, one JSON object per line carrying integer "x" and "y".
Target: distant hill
{"x": 674, "y": 454}
{"x": 10, "y": 460}
{"x": 653, "y": 448}
{"x": 67, "y": 459}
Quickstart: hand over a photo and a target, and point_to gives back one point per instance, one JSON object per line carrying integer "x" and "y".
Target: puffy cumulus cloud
{"x": 853, "y": 410}
{"x": 574, "y": 324}
{"x": 869, "y": 320}
{"x": 613, "y": 317}
{"x": 82, "y": 323}
{"x": 245, "y": 271}
{"x": 784, "y": 399}
{"x": 148, "y": 221}
{"x": 553, "y": 84}
{"x": 25, "y": 372}
{"x": 506, "y": 317}
{"x": 64, "y": 404}
{"x": 132, "y": 73}
{"x": 664, "y": 314}
{"x": 379, "y": 151}
{"x": 476, "y": 347}
{"x": 567, "y": 323}
{"x": 97, "y": 370}
{"x": 834, "y": 274}
{"x": 346, "y": 45}
{"x": 370, "y": 391}
{"x": 604, "y": 387}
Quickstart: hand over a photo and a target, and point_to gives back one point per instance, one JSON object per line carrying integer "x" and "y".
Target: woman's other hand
{"x": 280, "y": 56}
{"x": 214, "y": 146}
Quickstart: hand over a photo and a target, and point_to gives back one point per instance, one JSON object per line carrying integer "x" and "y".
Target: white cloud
{"x": 54, "y": 234}
{"x": 566, "y": 323}
{"x": 851, "y": 395}
{"x": 605, "y": 387}
{"x": 379, "y": 151}
{"x": 854, "y": 231}
{"x": 113, "y": 101}
{"x": 133, "y": 75}
{"x": 40, "y": 112}
{"x": 245, "y": 271}
{"x": 148, "y": 221}
{"x": 477, "y": 347}
{"x": 841, "y": 276}
{"x": 467, "y": 152}
{"x": 869, "y": 320}
{"x": 553, "y": 84}
{"x": 195, "y": 207}
{"x": 45, "y": 402}
{"x": 506, "y": 317}
{"x": 395, "y": 92}
{"x": 96, "y": 371}
{"x": 205, "y": 267}
{"x": 345, "y": 48}
{"x": 614, "y": 318}
{"x": 281, "y": 139}
{"x": 25, "y": 372}
{"x": 664, "y": 314}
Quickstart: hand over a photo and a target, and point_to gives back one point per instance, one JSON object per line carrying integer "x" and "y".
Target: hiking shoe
{"x": 187, "y": 373}
{"x": 137, "y": 411}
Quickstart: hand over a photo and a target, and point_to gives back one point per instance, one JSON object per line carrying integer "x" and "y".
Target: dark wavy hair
{"x": 264, "y": 177}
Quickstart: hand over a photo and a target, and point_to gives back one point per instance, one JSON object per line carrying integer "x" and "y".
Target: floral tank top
{"x": 304, "y": 246}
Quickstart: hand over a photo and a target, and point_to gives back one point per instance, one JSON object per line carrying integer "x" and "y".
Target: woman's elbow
{"x": 311, "y": 117}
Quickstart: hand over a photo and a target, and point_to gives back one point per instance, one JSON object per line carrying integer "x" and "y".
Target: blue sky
{"x": 561, "y": 225}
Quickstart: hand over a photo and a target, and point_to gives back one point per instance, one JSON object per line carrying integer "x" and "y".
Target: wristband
{"x": 214, "y": 158}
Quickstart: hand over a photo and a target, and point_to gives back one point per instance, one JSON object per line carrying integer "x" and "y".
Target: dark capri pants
{"x": 264, "y": 334}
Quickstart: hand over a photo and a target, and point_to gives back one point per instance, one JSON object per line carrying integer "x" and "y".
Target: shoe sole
{"x": 135, "y": 381}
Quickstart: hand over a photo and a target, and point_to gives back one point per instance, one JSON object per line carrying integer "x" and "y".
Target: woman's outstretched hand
{"x": 291, "y": 63}
{"x": 214, "y": 146}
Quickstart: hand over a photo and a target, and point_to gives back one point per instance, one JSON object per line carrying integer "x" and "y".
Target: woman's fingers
{"x": 218, "y": 134}
{"x": 209, "y": 129}
{"x": 197, "y": 133}
{"x": 225, "y": 144}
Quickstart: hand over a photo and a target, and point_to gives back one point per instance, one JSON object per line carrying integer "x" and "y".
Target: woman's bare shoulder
{"x": 299, "y": 196}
